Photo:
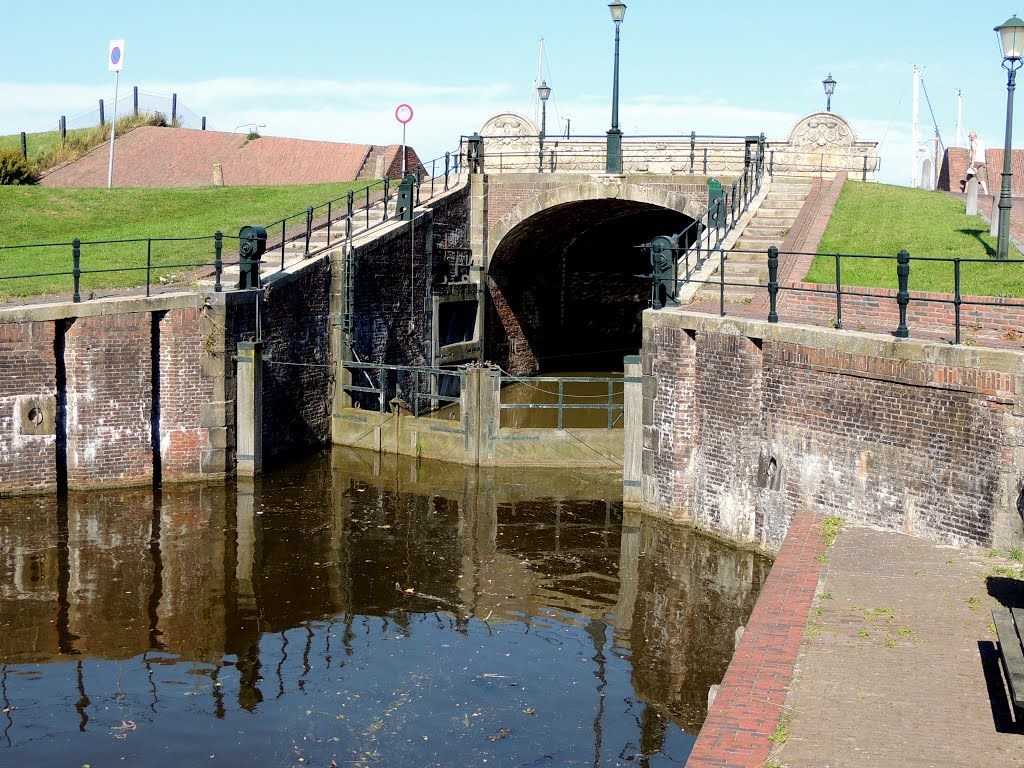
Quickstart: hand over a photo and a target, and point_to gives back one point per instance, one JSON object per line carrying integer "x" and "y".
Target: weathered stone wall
{"x": 746, "y": 422}
{"x": 295, "y": 326}
{"x": 28, "y": 458}
{"x": 109, "y": 366}
{"x": 108, "y": 382}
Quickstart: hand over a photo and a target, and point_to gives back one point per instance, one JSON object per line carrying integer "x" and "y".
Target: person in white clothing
{"x": 976, "y": 161}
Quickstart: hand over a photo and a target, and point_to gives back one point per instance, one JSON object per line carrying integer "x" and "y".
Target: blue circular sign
{"x": 115, "y": 55}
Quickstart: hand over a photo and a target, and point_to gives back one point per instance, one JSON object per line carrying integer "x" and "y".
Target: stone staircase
{"x": 746, "y": 265}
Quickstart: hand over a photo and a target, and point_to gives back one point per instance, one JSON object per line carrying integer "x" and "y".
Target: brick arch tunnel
{"x": 564, "y": 292}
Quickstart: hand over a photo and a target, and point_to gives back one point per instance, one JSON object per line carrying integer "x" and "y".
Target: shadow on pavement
{"x": 1009, "y": 592}
{"x": 998, "y": 697}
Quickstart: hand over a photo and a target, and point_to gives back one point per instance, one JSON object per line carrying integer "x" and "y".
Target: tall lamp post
{"x": 1011, "y": 41}
{"x": 543, "y": 91}
{"x": 614, "y": 153}
{"x": 830, "y": 87}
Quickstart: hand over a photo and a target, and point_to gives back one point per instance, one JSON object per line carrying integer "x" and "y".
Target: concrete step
{"x": 789, "y": 214}
{"x": 760, "y": 230}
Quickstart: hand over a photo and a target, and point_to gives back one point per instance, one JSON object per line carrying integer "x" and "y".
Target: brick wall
{"x": 109, "y": 400}
{"x": 392, "y": 279}
{"x": 28, "y": 458}
{"x": 953, "y": 170}
{"x": 295, "y": 321}
{"x": 746, "y": 423}
{"x": 183, "y": 392}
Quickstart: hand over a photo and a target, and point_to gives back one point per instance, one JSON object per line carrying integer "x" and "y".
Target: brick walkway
{"x": 892, "y": 665}
{"x": 901, "y": 668}
{"x": 753, "y": 690}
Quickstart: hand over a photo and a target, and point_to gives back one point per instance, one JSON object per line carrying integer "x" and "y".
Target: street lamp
{"x": 830, "y": 87}
{"x": 543, "y": 91}
{"x": 1011, "y": 43}
{"x": 614, "y": 153}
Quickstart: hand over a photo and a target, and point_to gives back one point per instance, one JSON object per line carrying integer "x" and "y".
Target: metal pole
{"x": 24, "y": 146}
{"x": 903, "y": 294}
{"x": 113, "y": 131}
{"x": 1005, "y": 201}
{"x": 614, "y": 151}
{"x": 403, "y": 150}
{"x": 135, "y": 100}
{"x": 543, "y": 131}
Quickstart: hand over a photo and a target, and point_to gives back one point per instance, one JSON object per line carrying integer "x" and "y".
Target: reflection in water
{"x": 361, "y": 609}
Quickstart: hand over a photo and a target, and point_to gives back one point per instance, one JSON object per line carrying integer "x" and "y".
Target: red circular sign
{"x": 403, "y": 113}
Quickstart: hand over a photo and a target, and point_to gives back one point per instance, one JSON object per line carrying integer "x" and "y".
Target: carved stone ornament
{"x": 508, "y": 128}
{"x": 821, "y": 130}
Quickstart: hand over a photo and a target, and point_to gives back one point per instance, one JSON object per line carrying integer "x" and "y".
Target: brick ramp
{"x": 179, "y": 157}
{"x": 753, "y": 691}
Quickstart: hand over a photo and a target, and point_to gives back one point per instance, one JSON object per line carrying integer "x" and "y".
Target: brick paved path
{"x": 753, "y": 690}
{"x": 902, "y": 668}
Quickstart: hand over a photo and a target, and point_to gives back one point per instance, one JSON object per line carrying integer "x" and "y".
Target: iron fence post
{"x": 387, "y": 190}
{"x": 705, "y": 161}
{"x": 447, "y": 165}
{"x": 771, "y": 163}
{"x": 903, "y": 295}
{"x": 693, "y": 149}
{"x": 351, "y": 203}
{"x": 284, "y": 228}
{"x": 839, "y": 292}
{"x": 149, "y": 262}
{"x": 309, "y": 226}
{"x": 773, "y": 284}
{"x": 865, "y": 175}
{"x": 218, "y": 262}
{"x": 721, "y": 283}
{"x": 76, "y": 267}
{"x": 957, "y": 301}
{"x": 561, "y": 402}
{"x": 329, "y": 222}
{"x": 610, "y": 399}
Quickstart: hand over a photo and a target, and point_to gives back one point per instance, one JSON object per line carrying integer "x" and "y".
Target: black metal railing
{"x": 843, "y": 294}
{"x": 419, "y": 389}
{"x": 611, "y": 402}
{"x": 358, "y": 211}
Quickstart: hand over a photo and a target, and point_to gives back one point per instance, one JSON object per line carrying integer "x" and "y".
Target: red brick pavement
{"x": 750, "y": 700}
{"x": 180, "y": 157}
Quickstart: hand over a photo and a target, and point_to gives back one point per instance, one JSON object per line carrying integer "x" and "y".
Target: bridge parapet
{"x": 821, "y": 145}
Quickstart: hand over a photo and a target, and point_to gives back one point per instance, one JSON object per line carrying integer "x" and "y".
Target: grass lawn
{"x": 39, "y": 143}
{"x": 882, "y": 219}
{"x": 33, "y": 215}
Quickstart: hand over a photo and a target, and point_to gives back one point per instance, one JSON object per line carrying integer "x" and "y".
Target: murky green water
{"x": 364, "y": 611}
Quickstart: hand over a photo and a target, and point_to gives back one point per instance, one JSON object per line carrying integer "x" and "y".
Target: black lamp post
{"x": 543, "y": 91}
{"x": 614, "y": 153}
{"x": 830, "y": 87}
{"x": 1011, "y": 43}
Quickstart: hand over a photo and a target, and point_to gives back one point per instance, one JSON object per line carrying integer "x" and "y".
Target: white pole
{"x": 113, "y": 130}
{"x": 959, "y": 136}
{"x": 915, "y": 139}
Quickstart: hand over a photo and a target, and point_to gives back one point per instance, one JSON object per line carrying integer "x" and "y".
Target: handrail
{"x": 355, "y": 205}
{"x": 901, "y": 296}
{"x": 560, "y": 405}
{"x": 412, "y": 373}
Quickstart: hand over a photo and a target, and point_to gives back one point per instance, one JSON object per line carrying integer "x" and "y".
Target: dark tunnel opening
{"x": 567, "y": 286}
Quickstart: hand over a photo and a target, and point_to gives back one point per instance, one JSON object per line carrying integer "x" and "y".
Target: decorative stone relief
{"x": 821, "y": 130}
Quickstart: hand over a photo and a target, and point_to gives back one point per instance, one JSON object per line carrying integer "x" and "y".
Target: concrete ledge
{"x": 113, "y": 306}
{"x": 1010, "y": 362}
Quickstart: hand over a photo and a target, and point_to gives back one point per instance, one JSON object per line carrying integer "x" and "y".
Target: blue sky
{"x": 337, "y": 70}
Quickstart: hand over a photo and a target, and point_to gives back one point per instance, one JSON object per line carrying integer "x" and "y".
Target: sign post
{"x": 115, "y": 63}
{"x": 403, "y": 114}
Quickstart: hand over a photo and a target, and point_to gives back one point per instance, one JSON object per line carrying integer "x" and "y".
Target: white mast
{"x": 958, "y": 137}
{"x": 534, "y": 108}
{"x": 915, "y": 138}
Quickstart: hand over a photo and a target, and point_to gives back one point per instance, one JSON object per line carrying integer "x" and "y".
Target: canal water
{"x": 358, "y": 610}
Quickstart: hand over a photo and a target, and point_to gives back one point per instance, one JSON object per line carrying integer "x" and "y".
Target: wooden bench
{"x": 1009, "y": 625}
